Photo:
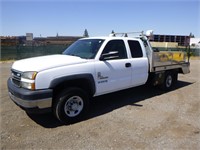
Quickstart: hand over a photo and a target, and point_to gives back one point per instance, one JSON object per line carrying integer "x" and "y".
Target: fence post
{"x": 17, "y": 51}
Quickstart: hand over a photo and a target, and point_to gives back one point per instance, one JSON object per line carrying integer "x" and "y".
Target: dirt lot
{"x": 138, "y": 118}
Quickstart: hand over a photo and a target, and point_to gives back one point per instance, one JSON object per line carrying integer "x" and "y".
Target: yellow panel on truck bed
{"x": 168, "y": 58}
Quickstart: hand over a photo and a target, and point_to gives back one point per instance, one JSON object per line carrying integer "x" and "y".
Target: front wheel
{"x": 71, "y": 105}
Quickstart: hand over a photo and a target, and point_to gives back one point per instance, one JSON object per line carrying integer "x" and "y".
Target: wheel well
{"x": 80, "y": 83}
{"x": 174, "y": 71}
{"x": 180, "y": 70}
{"x": 157, "y": 78}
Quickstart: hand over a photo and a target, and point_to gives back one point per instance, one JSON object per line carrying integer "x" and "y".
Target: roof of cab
{"x": 110, "y": 38}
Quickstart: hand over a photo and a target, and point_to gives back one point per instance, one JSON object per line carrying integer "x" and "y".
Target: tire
{"x": 71, "y": 105}
{"x": 175, "y": 77}
{"x": 169, "y": 81}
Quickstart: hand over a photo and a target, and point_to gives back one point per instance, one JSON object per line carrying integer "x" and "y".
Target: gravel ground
{"x": 138, "y": 118}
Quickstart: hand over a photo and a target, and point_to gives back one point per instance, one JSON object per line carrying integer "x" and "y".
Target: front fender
{"x": 72, "y": 78}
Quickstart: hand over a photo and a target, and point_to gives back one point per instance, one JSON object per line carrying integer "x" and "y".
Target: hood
{"x": 46, "y": 62}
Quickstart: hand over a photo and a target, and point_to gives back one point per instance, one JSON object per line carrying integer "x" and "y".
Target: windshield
{"x": 86, "y": 48}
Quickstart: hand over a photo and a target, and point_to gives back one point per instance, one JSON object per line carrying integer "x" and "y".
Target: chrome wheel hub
{"x": 169, "y": 81}
{"x": 73, "y": 106}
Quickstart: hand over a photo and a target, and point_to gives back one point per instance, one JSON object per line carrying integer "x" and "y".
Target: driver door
{"x": 113, "y": 72}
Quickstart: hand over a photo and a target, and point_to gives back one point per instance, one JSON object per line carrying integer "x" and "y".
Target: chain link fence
{"x": 20, "y": 52}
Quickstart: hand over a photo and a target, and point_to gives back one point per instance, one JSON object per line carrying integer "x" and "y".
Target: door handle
{"x": 127, "y": 65}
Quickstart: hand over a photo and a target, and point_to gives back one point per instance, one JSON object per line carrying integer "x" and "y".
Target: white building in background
{"x": 195, "y": 42}
{"x": 29, "y": 39}
{"x": 29, "y": 36}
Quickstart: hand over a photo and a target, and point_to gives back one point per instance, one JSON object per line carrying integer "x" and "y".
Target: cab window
{"x": 116, "y": 46}
{"x": 135, "y": 48}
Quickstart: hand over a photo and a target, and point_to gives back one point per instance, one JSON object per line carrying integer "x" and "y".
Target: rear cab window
{"x": 135, "y": 48}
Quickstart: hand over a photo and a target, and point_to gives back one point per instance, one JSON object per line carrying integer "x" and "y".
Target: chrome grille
{"x": 16, "y": 77}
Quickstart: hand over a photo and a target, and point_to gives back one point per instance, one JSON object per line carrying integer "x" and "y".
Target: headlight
{"x": 29, "y": 75}
{"x": 28, "y": 80}
{"x": 26, "y": 85}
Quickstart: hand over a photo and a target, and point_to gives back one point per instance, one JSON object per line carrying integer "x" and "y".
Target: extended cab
{"x": 64, "y": 84}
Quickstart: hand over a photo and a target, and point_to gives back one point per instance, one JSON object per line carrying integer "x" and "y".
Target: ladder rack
{"x": 125, "y": 34}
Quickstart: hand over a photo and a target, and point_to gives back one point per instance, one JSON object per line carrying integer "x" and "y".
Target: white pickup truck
{"x": 65, "y": 83}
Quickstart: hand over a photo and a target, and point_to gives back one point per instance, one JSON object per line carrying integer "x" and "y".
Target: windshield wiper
{"x": 74, "y": 55}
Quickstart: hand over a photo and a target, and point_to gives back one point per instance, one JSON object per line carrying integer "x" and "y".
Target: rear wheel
{"x": 169, "y": 80}
{"x": 71, "y": 105}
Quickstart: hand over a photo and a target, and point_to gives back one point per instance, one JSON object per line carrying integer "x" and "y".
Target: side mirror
{"x": 110, "y": 55}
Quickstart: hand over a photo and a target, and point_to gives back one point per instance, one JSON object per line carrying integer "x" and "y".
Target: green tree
{"x": 86, "y": 33}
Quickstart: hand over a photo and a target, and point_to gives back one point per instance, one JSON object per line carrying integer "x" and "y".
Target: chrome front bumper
{"x": 37, "y": 101}
{"x": 41, "y": 104}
